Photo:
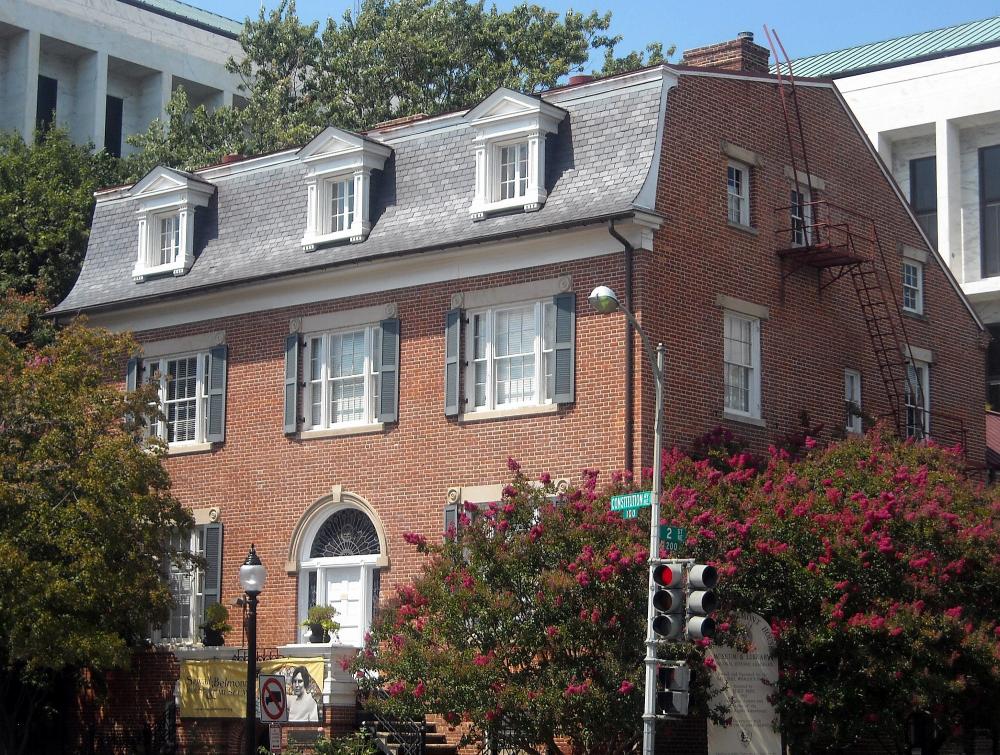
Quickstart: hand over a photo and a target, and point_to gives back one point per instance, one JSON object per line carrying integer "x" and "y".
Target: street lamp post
{"x": 604, "y": 300}
{"x": 253, "y": 575}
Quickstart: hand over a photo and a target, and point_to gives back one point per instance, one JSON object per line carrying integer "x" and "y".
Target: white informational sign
{"x": 273, "y": 700}
{"x": 274, "y": 732}
{"x": 746, "y": 676}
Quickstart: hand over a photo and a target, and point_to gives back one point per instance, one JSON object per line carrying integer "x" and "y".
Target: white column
{"x": 92, "y": 98}
{"x": 949, "y": 203}
{"x": 884, "y": 146}
{"x": 22, "y": 83}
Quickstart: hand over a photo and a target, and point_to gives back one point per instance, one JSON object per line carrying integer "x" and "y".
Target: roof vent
{"x": 747, "y": 35}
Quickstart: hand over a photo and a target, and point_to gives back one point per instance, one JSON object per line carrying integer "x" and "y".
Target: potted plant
{"x": 320, "y": 622}
{"x": 216, "y": 624}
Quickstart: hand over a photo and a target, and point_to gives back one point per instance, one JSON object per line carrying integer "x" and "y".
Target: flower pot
{"x": 213, "y": 638}
{"x": 316, "y": 633}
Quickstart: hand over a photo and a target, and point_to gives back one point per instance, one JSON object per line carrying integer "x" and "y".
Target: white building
{"x": 930, "y": 102}
{"x": 104, "y": 69}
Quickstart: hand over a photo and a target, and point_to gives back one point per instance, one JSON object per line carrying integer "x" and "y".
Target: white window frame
{"x": 852, "y": 401}
{"x": 157, "y": 367}
{"x": 801, "y": 223}
{"x": 522, "y": 171}
{"x": 370, "y": 375}
{"x": 922, "y": 371}
{"x": 754, "y": 367}
{"x": 542, "y": 390}
{"x": 913, "y": 290}
{"x": 740, "y": 199}
{"x": 195, "y": 605}
{"x": 337, "y": 223}
{"x": 156, "y": 246}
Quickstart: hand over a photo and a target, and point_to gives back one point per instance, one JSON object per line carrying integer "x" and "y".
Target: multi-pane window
{"x": 512, "y": 356}
{"x": 343, "y": 377}
{"x": 923, "y": 194}
{"x": 852, "y": 401}
{"x": 913, "y": 286}
{"x": 742, "y": 364}
{"x": 187, "y": 587}
{"x": 168, "y": 240}
{"x": 341, "y": 209}
{"x": 738, "y": 193}
{"x": 183, "y": 397}
{"x": 800, "y": 211}
{"x": 918, "y": 400}
{"x": 513, "y": 173}
{"x": 989, "y": 206}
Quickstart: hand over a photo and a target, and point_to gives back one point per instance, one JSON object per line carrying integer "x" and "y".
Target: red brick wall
{"x": 264, "y": 481}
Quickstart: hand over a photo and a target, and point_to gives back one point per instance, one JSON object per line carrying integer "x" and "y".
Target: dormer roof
{"x": 163, "y": 180}
{"x": 508, "y": 110}
{"x": 333, "y": 142}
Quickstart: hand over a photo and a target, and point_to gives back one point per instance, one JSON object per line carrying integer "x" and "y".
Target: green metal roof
{"x": 894, "y": 52}
{"x": 188, "y": 14}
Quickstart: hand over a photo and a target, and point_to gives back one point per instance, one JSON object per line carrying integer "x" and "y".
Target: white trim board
{"x": 370, "y": 277}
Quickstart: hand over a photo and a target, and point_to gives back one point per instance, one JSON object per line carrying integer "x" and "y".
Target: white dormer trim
{"x": 167, "y": 194}
{"x": 510, "y": 119}
{"x": 333, "y": 157}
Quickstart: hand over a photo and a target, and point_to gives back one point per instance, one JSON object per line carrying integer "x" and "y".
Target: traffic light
{"x": 672, "y": 685}
{"x": 701, "y": 601}
{"x": 668, "y": 600}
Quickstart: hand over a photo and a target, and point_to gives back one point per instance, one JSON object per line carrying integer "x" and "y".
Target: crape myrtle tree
{"x": 86, "y": 521}
{"x": 877, "y": 564}
{"x": 528, "y": 623}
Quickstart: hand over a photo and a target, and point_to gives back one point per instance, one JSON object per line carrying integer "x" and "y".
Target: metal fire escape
{"x": 838, "y": 242}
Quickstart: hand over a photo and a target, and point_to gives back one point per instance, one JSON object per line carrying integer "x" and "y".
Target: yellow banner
{"x": 218, "y": 689}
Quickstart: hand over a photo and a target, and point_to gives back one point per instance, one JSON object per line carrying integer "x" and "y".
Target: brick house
{"x": 352, "y": 337}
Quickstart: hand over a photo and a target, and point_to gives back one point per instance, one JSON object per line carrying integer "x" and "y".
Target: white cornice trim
{"x": 647, "y": 194}
{"x": 370, "y": 277}
{"x": 183, "y": 345}
{"x": 751, "y": 78}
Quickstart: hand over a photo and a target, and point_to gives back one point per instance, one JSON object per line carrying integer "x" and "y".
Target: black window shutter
{"x": 564, "y": 348}
{"x": 388, "y": 394}
{"x": 216, "y": 429}
{"x": 451, "y": 519}
{"x": 213, "y": 563}
{"x": 452, "y": 361}
{"x": 292, "y": 384}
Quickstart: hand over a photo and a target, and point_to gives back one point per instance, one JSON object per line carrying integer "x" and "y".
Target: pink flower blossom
{"x": 545, "y": 478}
{"x": 513, "y": 465}
{"x": 414, "y": 538}
{"x": 419, "y": 690}
{"x": 551, "y": 631}
{"x": 709, "y": 663}
{"x": 626, "y": 687}
{"x": 810, "y": 698}
{"x": 954, "y": 613}
{"x": 482, "y": 660}
{"x": 396, "y": 688}
{"x": 583, "y": 579}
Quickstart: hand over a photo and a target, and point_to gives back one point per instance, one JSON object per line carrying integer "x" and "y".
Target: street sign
{"x": 274, "y": 732}
{"x": 671, "y": 537}
{"x": 630, "y": 503}
{"x": 273, "y": 700}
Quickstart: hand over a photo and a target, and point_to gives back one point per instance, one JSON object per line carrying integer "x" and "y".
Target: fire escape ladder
{"x": 793, "y": 115}
{"x": 892, "y": 365}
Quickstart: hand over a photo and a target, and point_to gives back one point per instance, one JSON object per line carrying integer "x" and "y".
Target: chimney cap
{"x": 747, "y": 35}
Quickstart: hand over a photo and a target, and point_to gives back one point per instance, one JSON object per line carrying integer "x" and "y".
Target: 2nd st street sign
{"x": 671, "y": 537}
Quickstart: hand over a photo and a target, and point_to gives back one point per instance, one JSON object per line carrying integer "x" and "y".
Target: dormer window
{"x": 167, "y": 200}
{"x": 510, "y": 130}
{"x": 339, "y": 168}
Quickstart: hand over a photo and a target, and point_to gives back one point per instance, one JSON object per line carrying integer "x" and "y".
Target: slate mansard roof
{"x": 596, "y": 167}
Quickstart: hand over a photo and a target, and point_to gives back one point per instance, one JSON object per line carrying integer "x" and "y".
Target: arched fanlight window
{"x": 339, "y": 567}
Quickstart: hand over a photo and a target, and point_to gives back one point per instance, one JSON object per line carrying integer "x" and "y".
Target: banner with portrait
{"x": 217, "y": 688}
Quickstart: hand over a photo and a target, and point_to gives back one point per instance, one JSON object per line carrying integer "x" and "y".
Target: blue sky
{"x": 805, "y": 28}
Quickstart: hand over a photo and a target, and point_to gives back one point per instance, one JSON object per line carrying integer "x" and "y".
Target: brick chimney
{"x": 740, "y": 54}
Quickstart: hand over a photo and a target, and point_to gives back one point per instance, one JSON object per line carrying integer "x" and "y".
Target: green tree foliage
{"x": 86, "y": 518}
{"x": 46, "y": 204}
{"x": 876, "y": 564}
{"x": 392, "y": 59}
{"x": 529, "y": 623}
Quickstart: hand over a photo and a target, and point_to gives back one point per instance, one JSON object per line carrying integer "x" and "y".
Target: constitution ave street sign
{"x": 630, "y": 503}
{"x": 672, "y": 537}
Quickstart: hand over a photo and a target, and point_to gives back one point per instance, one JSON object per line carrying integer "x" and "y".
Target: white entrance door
{"x": 345, "y": 592}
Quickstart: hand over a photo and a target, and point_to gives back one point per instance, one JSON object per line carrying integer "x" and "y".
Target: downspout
{"x": 629, "y": 351}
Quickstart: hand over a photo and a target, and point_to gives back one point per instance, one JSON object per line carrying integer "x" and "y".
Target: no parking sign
{"x": 273, "y": 700}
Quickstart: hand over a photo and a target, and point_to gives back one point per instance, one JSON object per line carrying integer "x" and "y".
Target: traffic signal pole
{"x": 649, "y": 705}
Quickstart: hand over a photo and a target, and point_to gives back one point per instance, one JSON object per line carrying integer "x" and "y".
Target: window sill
{"x": 189, "y": 448}
{"x": 521, "y": 411}
{"x": 340, "y": 432}
{"x": 312, "y": 243}
{"x": 525, "y": 204}
{"x": 139, "y": 274}
{"x": 744, "y": 419}
{"x": 913, "y": 314}
{"x": 745, "y": 228}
